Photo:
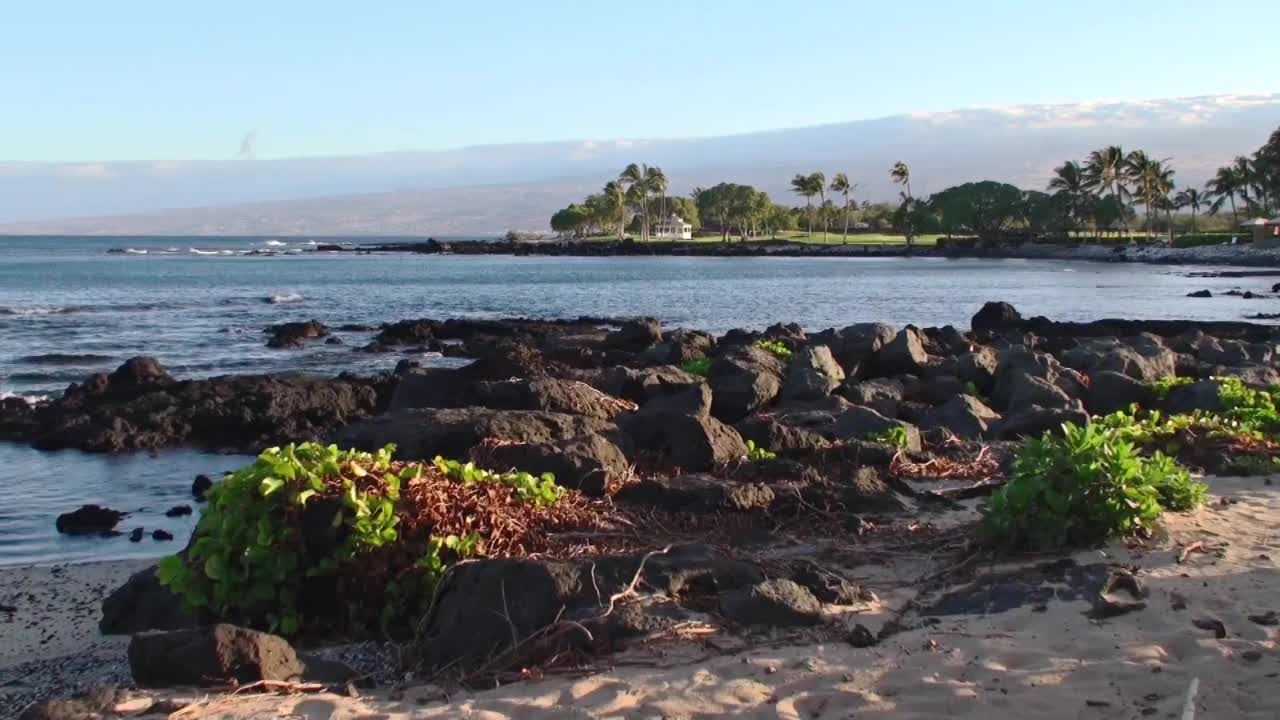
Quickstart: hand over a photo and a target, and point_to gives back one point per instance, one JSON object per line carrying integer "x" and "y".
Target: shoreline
{"x": 1244, "y": 255}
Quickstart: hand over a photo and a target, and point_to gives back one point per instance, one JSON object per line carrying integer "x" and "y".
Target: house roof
{"x": 1260, "y": 222}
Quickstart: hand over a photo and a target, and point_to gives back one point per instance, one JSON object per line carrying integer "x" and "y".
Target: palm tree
{"x": 1190, "y": 198}
{"x": 1223, "y": 188}
{"x": 840, "y": 184}
{"x": 616, "y": 200}
{"x": 901, "y": 175}
{"x": 634, "y": 177}
{"x": 1246, "y": 178}
{"x": 818, "y": 185}
{"x": 1107, "y": 169}
{"x": 656, "y": 181}
{"x": 801, "y": 185}
{"x": 1069, "y": 181}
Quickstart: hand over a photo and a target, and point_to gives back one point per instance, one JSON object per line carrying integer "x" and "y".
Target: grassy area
{"x": 834, "y": 238}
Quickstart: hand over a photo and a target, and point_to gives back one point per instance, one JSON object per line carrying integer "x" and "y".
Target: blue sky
{"x": 140, "y": 80}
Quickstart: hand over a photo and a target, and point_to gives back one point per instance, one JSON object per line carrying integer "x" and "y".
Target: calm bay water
{"x": 69, "y": 308}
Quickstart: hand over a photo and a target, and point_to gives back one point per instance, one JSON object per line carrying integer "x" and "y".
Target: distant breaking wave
{"x": 275, "y": 243}
{"x": 28, "y": 399}
{"x": 285, "y": 298}
{"x": 36, "y": 310}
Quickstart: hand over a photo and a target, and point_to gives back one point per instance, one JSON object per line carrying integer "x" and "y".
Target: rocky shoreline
{"x": 749, "y": 480}
{"x": 1243, "y": 254}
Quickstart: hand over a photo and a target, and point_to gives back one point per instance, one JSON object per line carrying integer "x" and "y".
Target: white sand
{"x": 1052, "y": 664}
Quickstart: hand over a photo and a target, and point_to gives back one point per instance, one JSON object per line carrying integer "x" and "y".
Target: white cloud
{"x": 98, "y": 171}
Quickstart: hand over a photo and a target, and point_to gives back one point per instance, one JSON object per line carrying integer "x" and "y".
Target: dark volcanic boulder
{"x": 935, "y": 389}
{"x": 139, "y": 372}
{"x": 142, "y": 603}
{"x": 701, "y": 443}
{"x": 904, "y": 355}
{"x": 237, "y": 413}
{"x": 1200, "y": 294}
{"x": 200, "y": 486}
{"x": 742, "y": 381}
{"x": 635, "y": 335}
{"x": 93, "y": 704}
{"x": 1110, "y": 391}
{"x": 854, "y": 345}
{"x": 590, "y": 463}
{"x": 1026, "y": 378}
{"x": 882, "y": 394}
{"x": 550, "y": 394}
{"x": 640, "y": 386}
{"x": 1035, "y": 420}
{"x": 698, "y": 492}
{"x": 475, "y": 620}
{"x": 963, "y": 415}
{"x": 978, "y": 367}
{"x": 777, "y": 602}
{"x": 772, "y": 434}
{"x": 294, "y": 334}
{"x": 211, "y": 655}
{"x": 863, "y": 423}
{"x": 1186, "y": 399}
{"x": 679, "y": 346}
{"x": 649, "y": 426}
{"x": 1143, "y": 360}
{"x": 88, "y": 520}
{"x": 995, "y": 317}
{"x": 453, "y": 432}
{"x": 812, "y": 374}
{"x": 408, "y": 332}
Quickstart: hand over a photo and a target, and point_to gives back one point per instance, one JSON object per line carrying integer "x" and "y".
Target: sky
{"x": 154, "y": 81}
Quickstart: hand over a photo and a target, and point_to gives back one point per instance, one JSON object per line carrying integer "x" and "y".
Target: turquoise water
{"x": 68, "y": 307}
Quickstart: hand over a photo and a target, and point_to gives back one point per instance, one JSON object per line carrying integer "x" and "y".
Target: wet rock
{"x": 295, "y": 334}
{"x": 139, "y": 372}
{"x": 812, "y": 374}
{"x": 882, "y": 395}
{"x": 963, "y": 415}
{"x": 590, "y": 462}
{"x": 904, "y": 355}
{"x": 1111, "y": 391}
{"x": 635, "y": 335}
{"x": 161, "y": 535}
{"x": 142, "y": 603}
{"x": 333, "y": 340}
{"x": 136, "y": 535}
{"x": 1200, "y": 294}
{"x": 210, "y": 655}
{"x": 200, "y": 487}
{"x": 453, "y": 432}
{"x": 407, "y": 332}
{"x": 178, "y": 511}
{"x": 742, "y": 381}
{"x": 229, "y": 413}
{"x": 88, "y": 520}
{"x": 776, "y": 603}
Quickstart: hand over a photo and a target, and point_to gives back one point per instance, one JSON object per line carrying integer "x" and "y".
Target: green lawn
{"x": 833, "y": 238}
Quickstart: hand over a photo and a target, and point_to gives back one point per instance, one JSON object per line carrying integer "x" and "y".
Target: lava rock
{"x": 776, "y": 603}
{"x": 200, "y": 487}
{"x": 161, "y": 535}
{"x": 88, "y": 520}
{"x": 211, "y": 655}
{"x": 178, "y": 511}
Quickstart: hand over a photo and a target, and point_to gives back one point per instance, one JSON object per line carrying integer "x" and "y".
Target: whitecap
{"x": 194, "y": 251}
{"x": 274, "y": 243}
{"x": 134, "y": 251}
{"x": 284, "y": 298}
{"x": 37, "y": 310}
{"x": 28, "y": 399}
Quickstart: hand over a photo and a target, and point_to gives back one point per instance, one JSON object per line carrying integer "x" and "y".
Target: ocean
{"x": 70, "y": 307}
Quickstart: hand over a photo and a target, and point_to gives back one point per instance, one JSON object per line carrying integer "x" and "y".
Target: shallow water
{"x": 69, "y": 308}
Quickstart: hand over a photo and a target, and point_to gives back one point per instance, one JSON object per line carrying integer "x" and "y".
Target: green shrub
{"x": 697, "y": 366}
{"x": 755, "y": 453}
{"x": 1164, "y": 385}
{"x": 1082, "y": 487}
{"x": 896, "y": 436}
{"x": 777, "y": 347}
{"x": 1254, "y": 410}
{"x": 396, "y": 528}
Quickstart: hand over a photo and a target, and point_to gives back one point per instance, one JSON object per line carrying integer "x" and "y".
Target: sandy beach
{"x": 1040, "y": 656}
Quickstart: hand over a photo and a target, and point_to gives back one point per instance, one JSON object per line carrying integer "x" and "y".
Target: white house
{"x": 1266, "y": 233}
{"x": 673, "y": 228}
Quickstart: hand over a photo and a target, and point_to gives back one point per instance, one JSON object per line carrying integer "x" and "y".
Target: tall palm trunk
{"x": 808, "y": 204}
{"x": 846, "y": 219}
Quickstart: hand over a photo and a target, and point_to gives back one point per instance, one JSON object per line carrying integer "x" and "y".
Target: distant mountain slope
{"x": 482, "y": 190}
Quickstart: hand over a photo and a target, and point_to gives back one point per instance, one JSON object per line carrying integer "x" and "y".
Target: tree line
{"x": 1106, "y": 192}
